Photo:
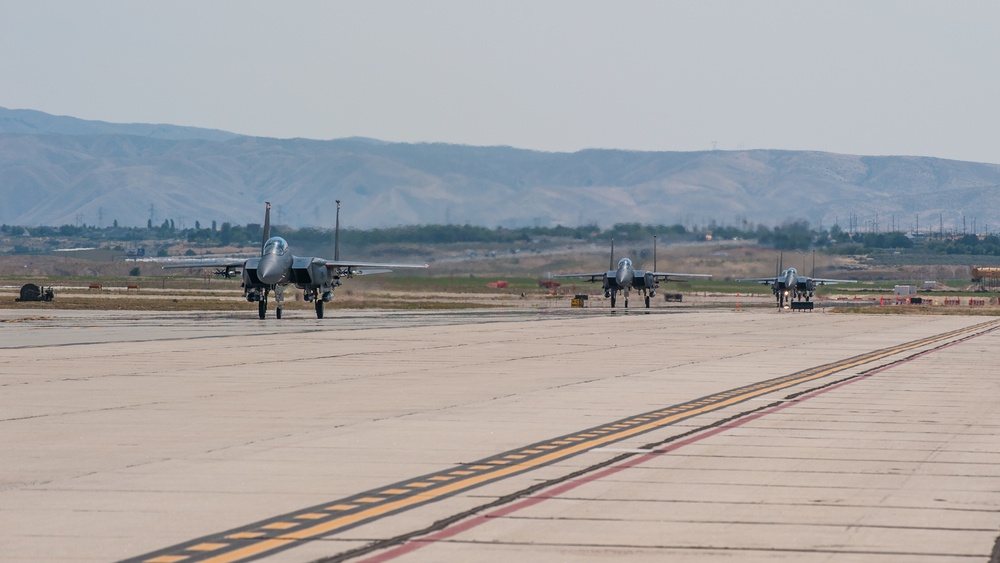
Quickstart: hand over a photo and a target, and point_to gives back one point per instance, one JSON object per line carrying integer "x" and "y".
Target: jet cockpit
{"x": 275, "y": 245}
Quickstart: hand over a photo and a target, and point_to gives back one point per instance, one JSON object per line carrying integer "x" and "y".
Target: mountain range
{"x": 57, "y": 170}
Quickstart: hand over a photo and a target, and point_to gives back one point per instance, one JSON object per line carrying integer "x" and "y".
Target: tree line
{"x": 790, "y": 235}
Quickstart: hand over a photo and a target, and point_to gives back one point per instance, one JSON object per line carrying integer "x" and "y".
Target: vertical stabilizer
{"x": 336, "y": 235}
{"x": 267, "y": 224}
{"x": 654, "y": 253}
{"x": 611, "y": 263}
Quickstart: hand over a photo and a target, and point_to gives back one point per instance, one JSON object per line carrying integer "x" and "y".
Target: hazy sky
{"x": 862, "y": 77}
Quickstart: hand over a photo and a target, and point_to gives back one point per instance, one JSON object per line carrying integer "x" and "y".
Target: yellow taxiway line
{"x": 282, "y": 532}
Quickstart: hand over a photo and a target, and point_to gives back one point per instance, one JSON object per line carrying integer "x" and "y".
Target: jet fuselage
{"x": 275, "y": 264}
{"x": 624, "y": 275}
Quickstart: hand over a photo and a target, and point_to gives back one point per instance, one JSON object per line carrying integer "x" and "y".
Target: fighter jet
{"x": 790, "y": 285}
{"x": 625, "y": 278}
{"x": 277, "y": 268}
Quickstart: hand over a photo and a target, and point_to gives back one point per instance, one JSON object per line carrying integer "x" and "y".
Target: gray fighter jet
{"x": 790, "y": 285}
{"x": 277, "y": 268}
{"x": 625, "y": 278}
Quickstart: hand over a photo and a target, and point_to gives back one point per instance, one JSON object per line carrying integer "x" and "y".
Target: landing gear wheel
{"x": 626, "y": 302}
{"x": 612, "y": 300}
{"x": 262, "y": 308}
{"x": 277, "y": 312}
{"x": 647, "y": 302}
{"x": 319, "y": 309}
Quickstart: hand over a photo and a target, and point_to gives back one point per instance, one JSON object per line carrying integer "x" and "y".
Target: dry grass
{"x": 459, "y": 283}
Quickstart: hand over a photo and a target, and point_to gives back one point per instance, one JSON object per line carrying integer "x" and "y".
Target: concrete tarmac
{"x": 570, "y": 435}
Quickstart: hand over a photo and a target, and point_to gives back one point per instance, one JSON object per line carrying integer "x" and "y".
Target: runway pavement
{"x": 537, "y": 435}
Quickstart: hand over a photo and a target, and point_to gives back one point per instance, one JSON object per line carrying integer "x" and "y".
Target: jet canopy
{"x": 275, "y": 245}
{"x": 624, "y": 263}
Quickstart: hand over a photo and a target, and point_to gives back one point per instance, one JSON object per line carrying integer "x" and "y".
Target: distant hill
{"x": 36, "y": 122}
{"x": 61, "y": 170}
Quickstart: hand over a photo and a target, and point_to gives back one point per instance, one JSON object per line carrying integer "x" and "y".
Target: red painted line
{"x": 459, "y": 527}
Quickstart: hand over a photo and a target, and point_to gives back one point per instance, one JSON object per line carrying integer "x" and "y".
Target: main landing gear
{"x": 260, "y": 295}
{"x": 261, "y": 298}
{"x": 314, "y": 295}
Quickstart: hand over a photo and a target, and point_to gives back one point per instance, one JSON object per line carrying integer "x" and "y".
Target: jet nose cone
{"x": 624, "y": 278}
{"x": 269, "y": 271}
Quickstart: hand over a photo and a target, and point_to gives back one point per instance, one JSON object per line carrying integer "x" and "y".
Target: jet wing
{"x": 665, "y": 276}
{"x": 758, "y": 280}
{"x": 207, "y": 264}
{"x": 226, "y": 269}
{"x": 349, "y": 268}
{"x": 824, "y": 281}
{"x": 593, "y": 276}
